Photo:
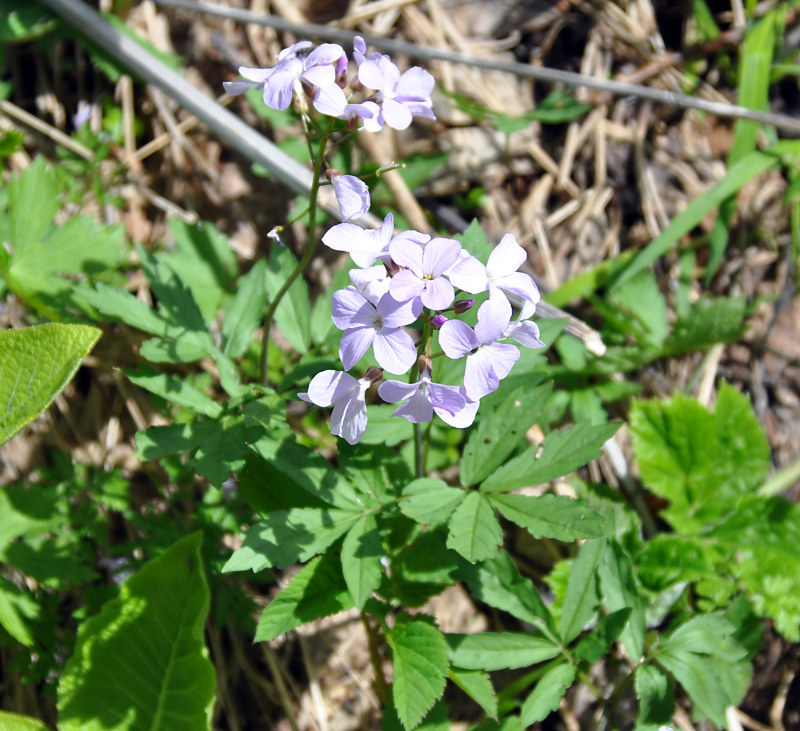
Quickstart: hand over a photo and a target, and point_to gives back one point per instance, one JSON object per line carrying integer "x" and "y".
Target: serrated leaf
{"x": 618, "y": 587}
{"x": 641, "y": 309}
{"x": 430, "y": 500}
{"x": 288, "y": 536}
{"x": 547, "y": 694}
{"x": 36, "y": 364}
{"x": 598, "y": 642}
{"x": 383, "y": 428}
{"x": 121, "y": 306}
{"x": 361, "y": 559}
{"x": 477, "y": 685}
{"x": 551, "y": 516}
{"x": 317, "y": 590}
{"x": 144, "y": 654}
{"x": 562, "y": 452}
{"x": 173, "y": 389}
{"x": 581, "y": 601}
{"x": 186, "y": 347}
{"x": 499, "y": 650}
{"x": 498, "y": 583}
{"x": 419, "y": 660}
{"x": 16, "y": 609}
{"x": 656, "y": 694}
{"x": 33, "y": 201}
{"x": 708, "y": 321}
{"x": 243, "y": 316}
{"x": 474, "y": 530}
{"x": 500, "y": 432}
{"x": 293, "y": 316}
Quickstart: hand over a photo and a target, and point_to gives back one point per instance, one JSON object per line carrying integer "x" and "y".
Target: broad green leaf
{"x": 474, "y": 241}
{"x": 561, "y": 453}
{"x": 747, "y": 169}
{"x": 640, "y": 309}
{"x": 701, "y": 462}
{"x": 474, "y": 530}
{"x": 655, "y": 693}
{"x": 547, "y": 693}
{"x": 33, "y": 201}
{"x": 288, "y": 536}
{"x": 18, "y": 722}
{"x": 36, "y": 364}
{"x": 707, "y": 634}
{"x": 383, "y": 428}
{"x": 144, "y": 654}
{"x": 221, "y": 448}
{"x": 703, "y": 686}
{"x": 27, "y": 512}
{"x": 419, "y": 660}
{"x": 175, "y": 390}
{"x": 361, "y": 559}
{"x": 184, "y": 347}
{"x": 16, "y": 609}
{"x": 618, "y": 588}
{"x": 498, "y": 583}
{"x": 500, "y": 432}
{"x": 477, "y": 685}
{"x": 710, "y": 320}
{"x": 598, "y": 642}
{"x": 430, "y": 500}
{"x": 549, "y": 516}
{"x": 581, "y": 600}
{"x": 243, "y": 316}
{"x": 499, "y": 650}
{"x": 293, "y": 316}
{"x": 317, "y": 590}
{"x": 121, "y": 306}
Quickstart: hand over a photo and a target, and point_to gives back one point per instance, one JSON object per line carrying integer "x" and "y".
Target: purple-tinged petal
{"x": 412, "y": 237}
{"x": 446, "y": 397}
{"x": 278, "y": 88}
{"x": 418, "y": 409}
{"x": 439, "y": 255}
{"x": 320, "y": 76}
{"x": 235, "y": 88}
{"x": 368, "y": 112}
{"x": 525, "y": 333}
{"x": 519, "y": 284}
{"x": 416, "y": 83}
{"x": 457, "y": 339}
{"x": 363, "y": 278}
{"x": 460, "y": 419}
{"x": 350, "y": 309}
{"x": 407, "y": 254}
{"x": 493, "y": 318}
{"x": 324, "y": 54}
{"x": 328, "y": 387}
{"x": 503, "y": 356}
{"x": 359, "y": 50}
{"x": 396, "y": 114}
{"x": 394, "y": 350}
{"x": 293, "y": 49}
{"x": 352, "y": 194}
{"x": 394, "y": 391}
{"x": 438, "y": 294}
{"x": 469, "y": 274}
{"x": 330, "y": 100}
{"x": 506, "y": 257}
{"x": 479, "y": 375}
{"x": 396, "y": 313}
{"x": 259, "y": 76}
{"x": 354, "y": 344}
{"x": 405, "y": 286}
{"x": 349, "y": 419}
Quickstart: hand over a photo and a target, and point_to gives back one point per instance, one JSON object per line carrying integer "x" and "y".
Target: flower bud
{"x": 461, "y": 306}
{"x": 373, "y": 373}
{"x": 331, "y": 173}
{"x": 438, "y": 320}
{"x": 341, "y": 71}
{"x": 425, "y": 364}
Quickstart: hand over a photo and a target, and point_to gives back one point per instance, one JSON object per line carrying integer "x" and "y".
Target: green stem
{"x": 305, "y": 260}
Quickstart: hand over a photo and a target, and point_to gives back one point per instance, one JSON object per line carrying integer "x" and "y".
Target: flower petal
{"x": 493, "y": 317}
{"x": 354, "y": 344}
{"x": 327, "y": 387}
{"x": 396, "y": 114}
{"x": 457, "y": 339}
{"x": 394, "y": 391}
{"x": 469, "y": 274}
{"x": 439, "y": 255}
{"x": 438, "y": 294}
{"x": 350, "y": 309}
{"x": 405, "y": 286}
{"x": 352, "y": 194}
{"x": 506, "y": 257}
{"x": 394, "y": 350}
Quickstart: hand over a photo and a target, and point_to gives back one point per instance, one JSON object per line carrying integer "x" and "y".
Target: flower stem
{"x": 305, "y": 260}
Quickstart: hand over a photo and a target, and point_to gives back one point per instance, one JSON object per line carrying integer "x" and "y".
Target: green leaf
{"x": 317, "y": 590}
{"x": 708, "y": 321}
{"x": 549, "y": 516}
{"x": 641, "y": 309}
{"x": 474, "y": 241}
{"x": 289, "y": 536}
{"x": 361, "y": 559}
{"x": 22, "y": 23}
{"x": 656, "y": 695}
{"x": 33, "y": 201}
{"x": 498, "y": 583}
{"x": 419, "y": 660}
{"x": 747, "y": 169}
{"x": 618, "y": 588}
{"x": 243, "y": 316}
{"x": 701, "y": 462}
{"x": 430, "y": 500}
{"x": 547, "y": 694}
{"x": 474, "y": 530}
{"x": 499, "y": 650}
{"x": 36, "y": 365}
{"x": 173, "y": 389}
{"x": 18, "y": 722}
{"x": 144, "y": 654}
{"x": 293, "y": 316}
{"x": 581, "y": 601}
{"x": 478, "y": 686}
{"x": 500, "y": 432}
{"x": 382, "y": 428}
{"x": 121, "y": 306}
{"x": 561, "y": 453}
{"x": 598, "y": 642}
{"x": 16, "y": 610}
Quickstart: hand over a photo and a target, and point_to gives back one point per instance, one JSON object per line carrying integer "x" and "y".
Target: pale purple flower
{"x": 347, "y": 395}
{"x": 423, "y": 398}
{"x": 377, "y": 324}
{"x": 365, "y": 246}
{"x": 371, "y": 282}
{"x": 487, "y": 360}
{"x": 423, "y": 276}
{"x": 401, "y": 96}
{"x": 294, "y": 63}
{"x": 352, "y": 195}
{"x": 332, "y": 101}
{"x": 524, "y": 332}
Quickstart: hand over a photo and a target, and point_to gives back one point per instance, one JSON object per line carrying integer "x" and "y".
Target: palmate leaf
{"x": 430, "y": 500}
{"x": 142, "y": 662}
{"x": 474, "y": 530}
{"x": 419, "y": 660}
{"x": 36, "y": 364}
{"x": 551, "y": 516}
{"x": 562, "y": 453}
{"x": 317, "y": 590}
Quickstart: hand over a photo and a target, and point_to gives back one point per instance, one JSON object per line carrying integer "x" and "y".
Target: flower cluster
{"x": 388, "y": 97}
{"x": 410, "y": 277}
